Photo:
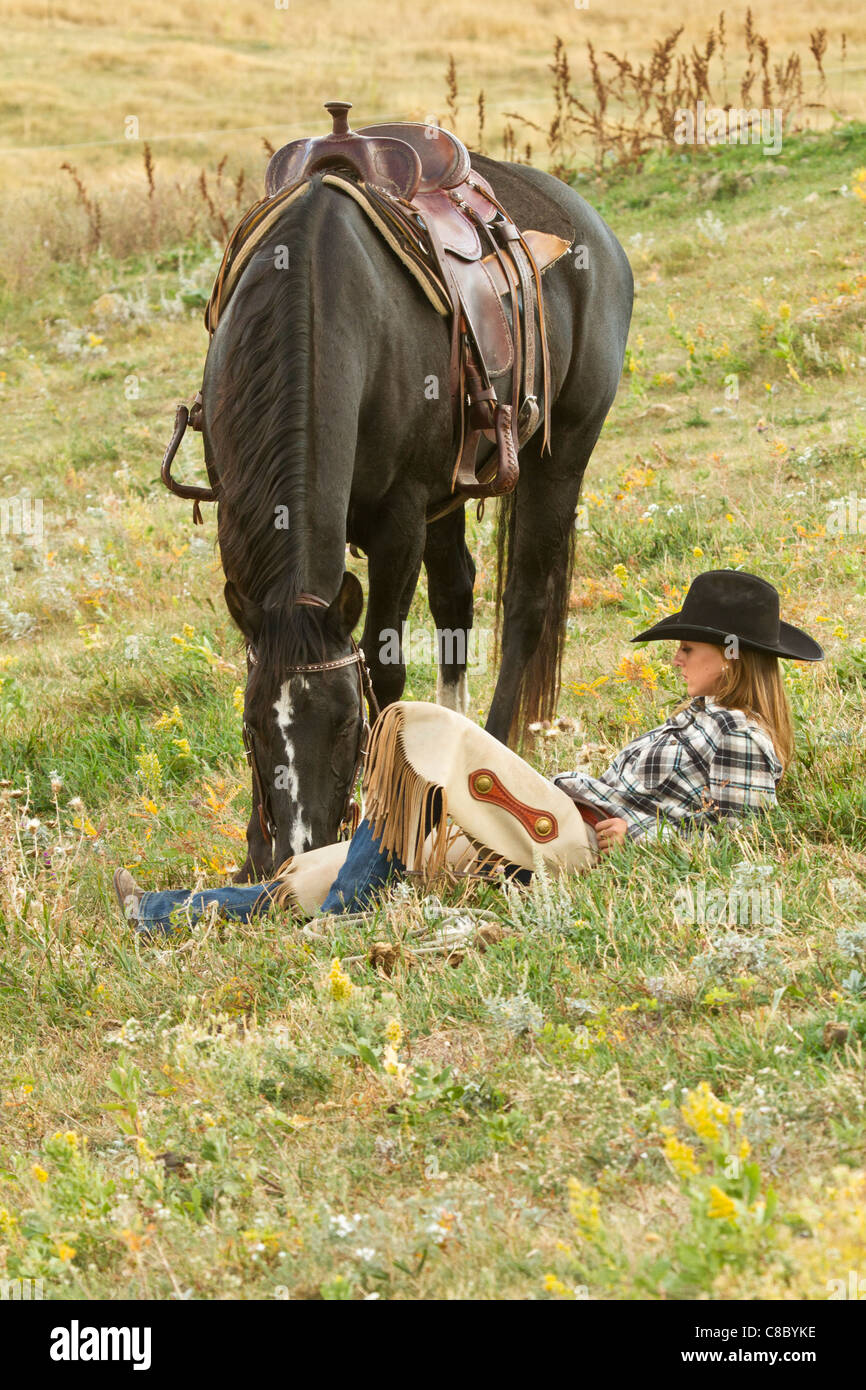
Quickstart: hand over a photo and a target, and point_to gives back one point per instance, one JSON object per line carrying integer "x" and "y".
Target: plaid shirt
{"x": 705, "y": 763}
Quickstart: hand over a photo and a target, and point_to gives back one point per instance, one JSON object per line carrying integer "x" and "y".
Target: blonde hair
{"x": 752, "y": 682}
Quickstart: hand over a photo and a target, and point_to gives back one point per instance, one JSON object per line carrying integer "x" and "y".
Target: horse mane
{"x": 259, "y": 431}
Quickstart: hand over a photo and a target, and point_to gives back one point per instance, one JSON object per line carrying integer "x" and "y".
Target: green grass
{"x": 482, "y": 1161}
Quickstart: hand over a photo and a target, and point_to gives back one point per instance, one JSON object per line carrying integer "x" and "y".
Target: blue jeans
{"x": 366, "y": 869}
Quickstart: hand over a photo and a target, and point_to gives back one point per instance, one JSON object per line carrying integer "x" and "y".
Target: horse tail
{"x": 540, "y": 682}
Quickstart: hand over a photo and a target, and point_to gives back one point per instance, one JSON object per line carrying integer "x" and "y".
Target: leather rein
{"x": 366, "y": 701}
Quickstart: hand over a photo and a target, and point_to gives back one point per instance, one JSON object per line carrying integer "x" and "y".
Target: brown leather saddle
{"x": 423, "y": 181}
{"x": 417, "y": 185}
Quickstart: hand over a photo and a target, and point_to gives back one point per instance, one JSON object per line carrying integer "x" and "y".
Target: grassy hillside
{"x": 602, "y": 1098}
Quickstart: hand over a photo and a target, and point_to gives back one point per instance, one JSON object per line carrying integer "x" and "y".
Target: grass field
{"x": 612, "y": 1096}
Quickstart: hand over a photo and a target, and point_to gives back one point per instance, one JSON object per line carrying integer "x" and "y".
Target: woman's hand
{"x": 610, "y": 833}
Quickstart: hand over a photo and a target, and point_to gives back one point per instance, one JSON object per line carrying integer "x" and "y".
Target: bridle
{"x": 366, "y": 701}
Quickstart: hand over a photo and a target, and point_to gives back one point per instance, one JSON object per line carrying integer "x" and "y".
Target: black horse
{"x": 323, "y": 429}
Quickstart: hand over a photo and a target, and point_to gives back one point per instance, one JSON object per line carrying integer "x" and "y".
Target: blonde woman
{"x": 439, "y": 789}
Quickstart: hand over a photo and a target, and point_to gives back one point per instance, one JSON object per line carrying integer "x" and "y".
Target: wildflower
{"x": 339, "y": 984}
{"x": 680, "y": 1156}
{"x": 703, "y": 1113}
{"x": 182, "y": 746}
{"x": 94, "y": 339}
{"x": 65, "y": 1252}
{"x": 39, "y": 1173}
{"x": 393, "y": 1032}
{"x": 722, "y": 1207}
{"x": 621, "y": 573}
{"x": 697, "y": 552}
{"x": 68, "y": 1137}
{"x": 8, "y": 1222}
{"x": 583, "y": 1205}
{"x": 149, "y": 770}
{"x": 56, "y": 783}
{"x": 555, "y": 1286}
{"x": 441, "y": 1223}
{"x": 343, "y": 1226}
{"x": 238, "y": 699}
{"x": 170, "y": 721}
{"x": 86, "y": 826}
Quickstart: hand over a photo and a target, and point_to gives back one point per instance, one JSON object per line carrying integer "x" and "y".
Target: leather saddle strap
{"x": 457, "y": 380}
{"x": 503, "y": 418}
{"x": 506, "y": 469}
{"x": 527, "y": 293}
{"x": 542, "y": 324}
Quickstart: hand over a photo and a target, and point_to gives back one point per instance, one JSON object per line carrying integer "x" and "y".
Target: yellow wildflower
{"x": 182, "y": 746}
{"x": 238, "y": 698}
{"x": 556, "y": 1286}
{"x": 149, "y": 770}
{"x": 621, "y": 573}
{"x": 703, "y": 1113}
{"x": 583, "y": 1205}
{"x": 39, "y": 1173}
{"x": 64, "y": 1251}
{"x": 68, "y": 1137}
{"x": 697, "y": 552}
{"x": 722, "y": 1207}
{"x": 170, "y": 721}
{"x": 680, "y": 1156}
{"x": 339, "y": 984}
{"x": 393, "y": 1032}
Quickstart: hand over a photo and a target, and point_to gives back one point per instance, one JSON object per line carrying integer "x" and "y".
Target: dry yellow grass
{"x": 205, "y": 81}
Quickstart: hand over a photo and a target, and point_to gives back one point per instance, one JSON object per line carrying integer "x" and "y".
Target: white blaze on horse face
{"x": 453, "y": 695}
{"x": 302, "y": 830}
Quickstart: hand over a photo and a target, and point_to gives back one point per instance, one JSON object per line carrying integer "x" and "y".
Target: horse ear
{"x": 343, "y": 614}
{"x": 246, "y": 612}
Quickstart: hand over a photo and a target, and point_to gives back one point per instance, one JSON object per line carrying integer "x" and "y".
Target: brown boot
{"x": 128, "y": 893}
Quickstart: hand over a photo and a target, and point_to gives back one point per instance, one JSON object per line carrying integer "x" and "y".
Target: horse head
{"x": 304, "y": 718}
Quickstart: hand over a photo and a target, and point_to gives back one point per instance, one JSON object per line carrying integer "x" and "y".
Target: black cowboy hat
{"x": 721, "y": 604}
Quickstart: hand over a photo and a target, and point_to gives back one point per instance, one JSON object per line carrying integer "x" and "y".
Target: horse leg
{"x": 540, "y": 557}
{"x": 259, "y": 863}
{"x": 393, "y": 565}
{"x": 450, "y": 579}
